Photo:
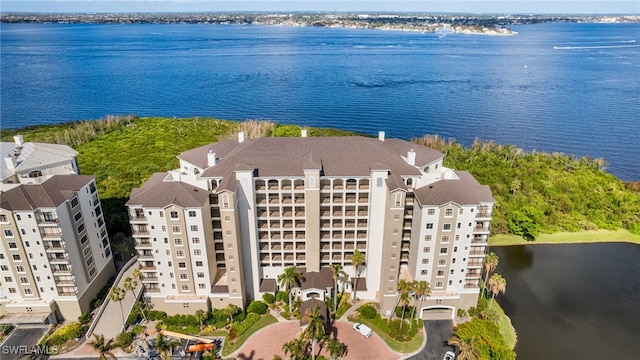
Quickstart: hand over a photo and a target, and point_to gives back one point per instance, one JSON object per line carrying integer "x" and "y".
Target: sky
{"x": 460, "y": 6}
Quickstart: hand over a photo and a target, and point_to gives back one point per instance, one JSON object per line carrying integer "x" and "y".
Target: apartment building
{"x": 222, "y": 227}
{"x": 54, "y": 249}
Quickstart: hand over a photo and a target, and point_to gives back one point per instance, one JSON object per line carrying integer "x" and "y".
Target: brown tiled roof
{"x": 338, "y": 156}
{"x": 156, "y": 193}
{"x": 51, "y": 193}
{"x": 361, "y": 283}
{"x": 311, "y": 305}
{"x": 463, "y": 191}
{"x": 268, "y": 285}
{"x": 317, "y": 280}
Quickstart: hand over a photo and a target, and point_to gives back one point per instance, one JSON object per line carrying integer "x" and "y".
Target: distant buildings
{"x": 222, "y": 227}
{"x": 54, "y": 249}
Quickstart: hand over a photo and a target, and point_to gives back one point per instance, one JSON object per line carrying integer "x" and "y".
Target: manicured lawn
{"x": 264, "y": 321}
{"x": 403, "y": 347}
{"x": 567, "y": 238}
{"x": 504, "y": 323}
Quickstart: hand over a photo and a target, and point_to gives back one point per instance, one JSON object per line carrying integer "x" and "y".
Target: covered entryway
{"x": 437, "y": 313}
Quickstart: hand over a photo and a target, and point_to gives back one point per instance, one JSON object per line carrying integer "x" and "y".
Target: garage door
{"x": 437, "y": 314}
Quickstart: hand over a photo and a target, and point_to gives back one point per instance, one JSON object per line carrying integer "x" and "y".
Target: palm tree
{"x": 490, "y": 263}
{"x": 357, "y": 260}
{"x": 497, "y": 284}
{"x": 131, "y": 285}
{"x": 467, "y": 347}
{"x": 338, "y": 272}
{"x": 421, "y": 290}
{"x": 136, "y": 277}
{"x": 296, "y": 349}
{"x": 230, "y": 310}
{"x": 403, "y": 287}
{"x": 315, "y": 329}
{"x": 164, "y": 347}
{"x": 117, "y": 294}
{"x": 288, "y": 279}
{"x": 103, "y": 347}
{"x": 201, "y": 316}
{"x": 335, "y": 348}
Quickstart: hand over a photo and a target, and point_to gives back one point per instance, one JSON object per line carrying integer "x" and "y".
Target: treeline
{"x": 544, "y": 192}
{"x": 535, "y": 192}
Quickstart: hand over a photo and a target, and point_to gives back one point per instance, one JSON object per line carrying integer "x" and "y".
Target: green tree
{"x": 165, "y": 347}
{"x": 130, "y": 284}
{"x": 103, "y": 347}
{"x": 338, "y": 272}
{"x": 288, "y": 279}
{"x": 296, "y": 349}
{"x": 117, "y": 294}
{"x": 335, "y": 348}
{"x": 497, "y": 284}
{"x": 490, "y": 264}
{"x": 467, "y": 347}
{"x": 404, "y": 287}
{"x": 526, "y": 222}
{"x": 315, "y": 329}
{"x": 201, "y": 316}
{"x": 421, "y": 290}
{"x": 358, "y": 261}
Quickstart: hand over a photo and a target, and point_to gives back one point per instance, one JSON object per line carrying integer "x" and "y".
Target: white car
{"x": 449, "y": 355}
{"x": 362, "y": 329}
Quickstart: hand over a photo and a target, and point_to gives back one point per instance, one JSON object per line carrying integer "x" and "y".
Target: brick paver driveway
{"x": 267, "y": 342}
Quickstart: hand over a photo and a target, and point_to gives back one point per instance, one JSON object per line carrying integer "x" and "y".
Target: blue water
{"x": 582, "y": 97}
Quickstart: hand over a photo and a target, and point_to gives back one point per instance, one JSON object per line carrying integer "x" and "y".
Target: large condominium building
{"x": 222, "y": 227}
{"x": 54, "y": 250}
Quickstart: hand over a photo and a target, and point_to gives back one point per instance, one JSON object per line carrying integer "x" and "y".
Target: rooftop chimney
{"x": 381, "y": 135}
{"x": 411, "y": 157}
{"x": 303, "y": 133}
{"x": 18, "y": 140}
{"x": 10, "y": 161}
{"x": 241, "y": 136}
{"x": 211, "y": 158}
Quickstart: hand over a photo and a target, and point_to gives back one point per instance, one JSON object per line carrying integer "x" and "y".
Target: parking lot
{"x": 438, "y": 332}
{"x": 22, "y": 343}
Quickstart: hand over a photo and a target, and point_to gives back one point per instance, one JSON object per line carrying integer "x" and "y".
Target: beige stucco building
{"x": 223, "y": 226}
{"x": 54, "y": 249}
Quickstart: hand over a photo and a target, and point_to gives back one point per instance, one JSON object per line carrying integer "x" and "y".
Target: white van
{"x": 362, "y": 329}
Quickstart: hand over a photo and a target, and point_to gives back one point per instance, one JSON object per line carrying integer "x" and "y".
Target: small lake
{"x": 577, "y": 301}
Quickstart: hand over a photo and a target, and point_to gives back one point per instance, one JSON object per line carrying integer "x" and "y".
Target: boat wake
{"x": 626, "y": 42}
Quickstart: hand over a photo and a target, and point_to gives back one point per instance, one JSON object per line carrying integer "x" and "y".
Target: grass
{"x": 403, "y": 347}
{"x": 595, "y": 236}
{"x": 506, "y": 328}
{"x": 239, "y": 341}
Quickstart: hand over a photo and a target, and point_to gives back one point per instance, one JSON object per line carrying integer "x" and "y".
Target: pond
{"x": 577, "y": 301}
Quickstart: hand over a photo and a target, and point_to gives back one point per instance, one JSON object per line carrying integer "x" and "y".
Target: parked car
{"x": 449, "y": 355}
{"x": 362, "y": 329}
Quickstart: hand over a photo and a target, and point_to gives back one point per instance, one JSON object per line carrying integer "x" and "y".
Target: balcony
{"x": 137, "y": 231}
{"x": 152, "y": 290}
{"x": 150, "y": 278}
{"x": 54, "y": 245}
{"x": 136, "y": 217}
{"x": 47, "y": 220}
{"x": 148, "y": 266}
{"x": 146, "y": 255}
{"x": 51, "y": 234}
{"x": 65, "y": 282}
{"x": 143, "y": 243}
{"x": 67, "y": 293}
{"x": 57, "y": 257}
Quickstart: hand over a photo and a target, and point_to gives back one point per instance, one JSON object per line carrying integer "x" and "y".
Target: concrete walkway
{"x": 111, "y": 321}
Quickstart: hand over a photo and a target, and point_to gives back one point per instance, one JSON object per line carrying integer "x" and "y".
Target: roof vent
{"x": 211, "y": 158}
{"x": 303, "y": 133}
{"x": 19, "y": 140}
{"x": 411, "y": 157}
{"x": 381, "y": 135}
{"x": 241, "y": 136}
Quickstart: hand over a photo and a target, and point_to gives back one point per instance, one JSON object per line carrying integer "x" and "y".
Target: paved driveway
{"x": 22, "y": 342}
{"x": 438, "y": 332}
{"x": 268, "y": 342}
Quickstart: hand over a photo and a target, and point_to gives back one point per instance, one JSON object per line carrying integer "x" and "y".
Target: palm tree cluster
{"x": 287, "y": 280}
{"x": 415, "y": 290}
{"x": 315, "y": 332}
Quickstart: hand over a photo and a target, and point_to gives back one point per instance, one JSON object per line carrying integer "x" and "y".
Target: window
{"x": 379, "y": 182}
{"x": 178, "y": 242}
{"x": 194, "y": 227}
{"x": 429, "y": 225}
{"x": 184, "y": 277}
{"x": 80, "y": 228}
{"x": 225, "y": 201}
{"x": 395, "y": 231}
{"x": 90, "y": 261}
{"x": 445, "y": 239}
{"x": 198, "y": 263}
{"x": 394, "y": 244}
{"x": 431, "y": 212}
{"x": 393, "y": 256}
{"x": 168, "y": 252}
{"x": 201, "y": 286}
{"x": 8, "y": 233}
{"x": 16, "y": 257}
{"x": 171, "y": 275}
{"x": 443, "y": 250}
{"x": 8, "y": 279}
{"x": 174, "y": 215}
{"x": 440, "y": 273}
{"x": 197, "y": 252}
{"x": 13, "y": 245}
{"x": 457, "y": 237}
{"x": 229, "y": 246}
{"x": 182, "y": 265}
{"x": 180, "y": 253}
{"x": 176, "y": 229}
{"x": 446, "y": 227}
{"x": 83, "y": 239}
{"x": 23, "y": 232}
{"x": 173, "y": 286}
{"x": 455, "y": 249}
{"x": 20, "y": 269}
{"x": 185, "y": 287}
{"x": 312, "y": 181}
{"x": 424, "y": 272}
{"x": 28, "y": 291}
{"x": 24, "y": 280}
{"x": 4, "y": 268}
{"x": 398, "y": 201}
{"x": 200, "y": 275}
{"x": 461, "y": 211}
{"x": 12, "y": 290}
{"x": 396, "y": 217}
{"x": 192, "y": 213}
{"x": 227, "y": 218}
{"x": 427, "y": 237}
{"x": 459, "y": 224}
{"x": 442, "y": 262}
{"x": 77, "y": 216}
{"x": 3, "y": 218}
{"x": 92, "y": 187}
{"x": 426, "y": 249}
{"x": 228, "y": 232}
{"x": 195, "y": 240}
{"x": 448, "y": 213}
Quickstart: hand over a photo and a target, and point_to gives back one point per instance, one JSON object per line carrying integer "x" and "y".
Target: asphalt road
{"x": 22, "y": 342}
{"x": 438, "y": 331}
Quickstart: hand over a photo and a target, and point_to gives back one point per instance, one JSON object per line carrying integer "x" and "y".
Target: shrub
{"x": 269, "y": 298}
{"x": 84, "y": 318}
{"x": 407, "y": 311}
{"x": 257, "y": 307}
{"x": 282, "y": 296}
{"x": 156, "y": 315}
{"x": 65, "y": 333}
{"x": 138, "y": 329}
{"x": 124, "y": 339}
{"x": 367, "y": 311}
{"x": 233, "y": 333}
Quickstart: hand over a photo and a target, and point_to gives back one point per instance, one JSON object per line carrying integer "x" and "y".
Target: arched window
{"x": 35, "y": 174}
{"x": 312, "y": 181}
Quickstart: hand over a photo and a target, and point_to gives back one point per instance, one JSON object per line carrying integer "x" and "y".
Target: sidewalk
{"x": 353, "y": 309}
